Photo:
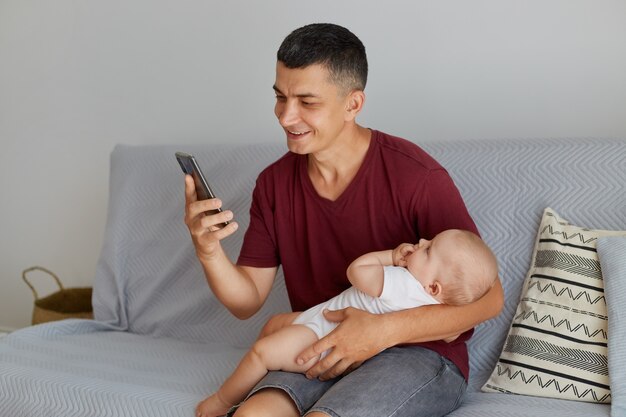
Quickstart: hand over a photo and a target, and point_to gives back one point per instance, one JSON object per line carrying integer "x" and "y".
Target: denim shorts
{"x": 401, "y": 382}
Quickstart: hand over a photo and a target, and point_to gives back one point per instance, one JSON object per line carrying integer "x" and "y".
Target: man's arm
{"x": 439, "y": 321}
{"x": 361, "y": 335}
{"x": 242, "y": 290}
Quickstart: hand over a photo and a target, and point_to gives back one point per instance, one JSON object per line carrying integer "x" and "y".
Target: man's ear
{"x": 434, "y": 289}
{"x": 354, "y": 104}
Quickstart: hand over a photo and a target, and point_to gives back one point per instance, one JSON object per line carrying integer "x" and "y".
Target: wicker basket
{"x": 67, "y": 303}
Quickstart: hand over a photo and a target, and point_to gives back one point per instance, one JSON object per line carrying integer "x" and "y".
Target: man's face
{"x": 310, "y": 108}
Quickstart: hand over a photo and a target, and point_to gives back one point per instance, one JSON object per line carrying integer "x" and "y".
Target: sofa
{"x": 160, "y": 341}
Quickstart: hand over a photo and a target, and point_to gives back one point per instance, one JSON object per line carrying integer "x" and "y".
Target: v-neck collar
{"x": 350, "y": 189}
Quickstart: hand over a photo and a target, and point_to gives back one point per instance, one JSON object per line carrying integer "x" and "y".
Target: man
{"x": 342, "y": 190}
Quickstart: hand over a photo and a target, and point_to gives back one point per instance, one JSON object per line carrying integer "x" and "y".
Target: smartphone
{"x": 190, "y": 166}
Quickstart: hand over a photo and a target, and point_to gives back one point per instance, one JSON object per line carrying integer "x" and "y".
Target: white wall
{"x": 78, "y": 76}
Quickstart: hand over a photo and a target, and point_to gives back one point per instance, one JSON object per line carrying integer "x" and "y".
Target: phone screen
{"x": 190, "y": 166}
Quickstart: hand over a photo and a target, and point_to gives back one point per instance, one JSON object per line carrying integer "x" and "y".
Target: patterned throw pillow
{"x": 557, "y": 343}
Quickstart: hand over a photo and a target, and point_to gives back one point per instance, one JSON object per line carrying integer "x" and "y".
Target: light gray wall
{"x": 78, "y": 76}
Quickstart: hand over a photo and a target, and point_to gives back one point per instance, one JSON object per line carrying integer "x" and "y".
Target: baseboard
{"x": 6, "y": 329}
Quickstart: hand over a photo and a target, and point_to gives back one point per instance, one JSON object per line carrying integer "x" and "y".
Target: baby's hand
{"x": 400, "y": 253}
{"x": 212, "y": 406}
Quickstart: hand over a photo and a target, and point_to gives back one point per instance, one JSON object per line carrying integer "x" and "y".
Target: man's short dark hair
{"x": 333, "y": 46}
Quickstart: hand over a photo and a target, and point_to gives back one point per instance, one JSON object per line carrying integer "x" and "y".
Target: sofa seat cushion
{"x": 85, "y": 368}
{"x": 482, "y": 404}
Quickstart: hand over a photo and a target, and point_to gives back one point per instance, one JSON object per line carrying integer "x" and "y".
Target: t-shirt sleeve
{"x": 259, "y": 247}
{"x": 401, "y": 290}
{"x": 440, "y": 206}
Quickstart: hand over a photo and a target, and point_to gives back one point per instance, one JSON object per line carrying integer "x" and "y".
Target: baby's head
{"x": 456, "y": 267}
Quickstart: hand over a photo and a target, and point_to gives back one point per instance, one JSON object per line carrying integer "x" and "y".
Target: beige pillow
{"x": 557, "y": 343}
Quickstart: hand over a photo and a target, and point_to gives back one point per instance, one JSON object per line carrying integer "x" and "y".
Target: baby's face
{"x": 431, "y": 259}
{"x": 426, "y": 263}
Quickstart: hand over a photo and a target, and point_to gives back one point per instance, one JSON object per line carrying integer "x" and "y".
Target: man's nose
{"x": 289, "y": 114}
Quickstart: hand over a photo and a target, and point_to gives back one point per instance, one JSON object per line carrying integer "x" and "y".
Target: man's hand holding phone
{"x": 207, "y": 223}
{"x": 242, "y": 290}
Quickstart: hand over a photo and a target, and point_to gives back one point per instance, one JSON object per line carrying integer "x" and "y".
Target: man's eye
{"x": 280, "y": 98}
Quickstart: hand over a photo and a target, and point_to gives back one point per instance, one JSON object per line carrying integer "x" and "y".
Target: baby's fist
{"x": 400, "y": 253}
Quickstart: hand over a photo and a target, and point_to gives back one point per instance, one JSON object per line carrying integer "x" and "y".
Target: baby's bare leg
{"x": 278, "y": 351}
{"x": 276, "y": 323}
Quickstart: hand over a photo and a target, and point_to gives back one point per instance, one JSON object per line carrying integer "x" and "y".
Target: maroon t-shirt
{"x": 399, "y": 194}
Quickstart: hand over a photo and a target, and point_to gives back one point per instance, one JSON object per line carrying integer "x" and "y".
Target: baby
{"x": 456, "y": 267}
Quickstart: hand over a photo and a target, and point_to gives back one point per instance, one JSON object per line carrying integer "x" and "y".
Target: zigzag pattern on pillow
{"x": 557, "y": 343}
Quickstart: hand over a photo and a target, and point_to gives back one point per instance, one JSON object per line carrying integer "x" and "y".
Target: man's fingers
{"x": 195, "y": 219}
{"x": 338, "y": 369}
{"x": 331, "y": 367}
{"x": 323, "y": 344}
{"x": 314, "y": 351}
{"x": 190, "y": 190}
{"x": 216, "y": 219}
{"x": 196, "y": 208}
{"x": 225, "y": 231}
{"x": 323, "y": 365}
{"x": 330, "y": 361}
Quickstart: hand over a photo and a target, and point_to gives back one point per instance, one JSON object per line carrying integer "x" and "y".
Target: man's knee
{"x": 269, "y": 402}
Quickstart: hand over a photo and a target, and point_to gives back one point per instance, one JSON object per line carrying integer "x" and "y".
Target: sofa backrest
{"x": 149, "y": 281}
{"x": 506, "y": 185}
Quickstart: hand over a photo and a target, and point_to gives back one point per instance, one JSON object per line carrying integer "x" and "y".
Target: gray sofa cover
{"x": 160, "y": 342}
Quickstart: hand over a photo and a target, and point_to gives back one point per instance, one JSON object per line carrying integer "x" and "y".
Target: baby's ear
{"x": 434, "y": 288}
